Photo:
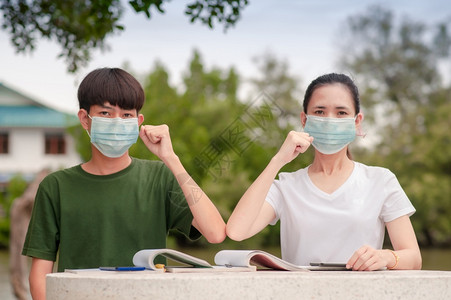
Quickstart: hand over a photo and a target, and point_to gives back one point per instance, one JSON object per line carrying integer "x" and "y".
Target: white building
{"x": 33, "y": 136}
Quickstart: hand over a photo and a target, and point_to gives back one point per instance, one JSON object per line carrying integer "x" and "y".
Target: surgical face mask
{"x": 330, "y": 135}
{"x": 113, "y": 136}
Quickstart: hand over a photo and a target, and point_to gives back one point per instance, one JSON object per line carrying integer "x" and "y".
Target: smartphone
{"x": 320, "y": 264}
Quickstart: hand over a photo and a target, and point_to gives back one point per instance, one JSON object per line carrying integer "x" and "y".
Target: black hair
{"x": 331, "y": 79}
{"x": 112, "y": 85}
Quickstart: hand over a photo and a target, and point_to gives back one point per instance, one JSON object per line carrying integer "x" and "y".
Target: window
{"x": 4, "y": 143}
{"x": 55, "y": 143}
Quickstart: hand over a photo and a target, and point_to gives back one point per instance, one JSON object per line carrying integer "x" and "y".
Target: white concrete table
{"x": 250, "y": 285}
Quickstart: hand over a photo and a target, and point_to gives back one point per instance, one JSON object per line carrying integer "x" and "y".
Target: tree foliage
{"x": 79, "y": 26}
{"x": 223, "y": 141}
{"x": 397, "y": 68}
{"x": 15, "y": 187}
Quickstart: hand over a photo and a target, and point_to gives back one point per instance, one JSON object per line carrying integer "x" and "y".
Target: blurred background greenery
{"x": 402, "y": 68}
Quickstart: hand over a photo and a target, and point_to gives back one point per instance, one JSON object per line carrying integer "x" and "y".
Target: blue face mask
{"x": 330, "y": 135}
{"x": 113, "y": 136}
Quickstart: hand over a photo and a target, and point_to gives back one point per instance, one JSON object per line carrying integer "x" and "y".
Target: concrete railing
{"x": 100, "y": 285}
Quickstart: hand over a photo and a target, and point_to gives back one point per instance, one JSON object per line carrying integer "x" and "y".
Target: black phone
{"x": 321, "y": 264}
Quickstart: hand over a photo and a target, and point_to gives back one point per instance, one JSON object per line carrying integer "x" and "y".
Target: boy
{"x": 101, "y": 212}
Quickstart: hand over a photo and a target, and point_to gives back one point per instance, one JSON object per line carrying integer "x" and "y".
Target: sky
{"x": 305, "y": 34}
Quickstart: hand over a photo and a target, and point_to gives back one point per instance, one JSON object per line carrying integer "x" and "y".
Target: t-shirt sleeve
{"x": 179, "y": 214}
{"x": 42, "y": 237}
{"x": 274, "y": 198}
{"x": 396, "y": 204}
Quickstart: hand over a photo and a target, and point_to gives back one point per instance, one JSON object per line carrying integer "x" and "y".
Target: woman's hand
{"x": 367, "y": 258}
{"x": 295, "y": 143}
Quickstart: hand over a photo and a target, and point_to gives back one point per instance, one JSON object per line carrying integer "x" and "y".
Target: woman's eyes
{"x": 321, "y": 112}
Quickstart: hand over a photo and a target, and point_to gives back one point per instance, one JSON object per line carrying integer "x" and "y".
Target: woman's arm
{"x": 252, "y": 212}
{"x": 404, "y": 241}
{"x": 39, "y": 269}
{"x": 406, "y": 254}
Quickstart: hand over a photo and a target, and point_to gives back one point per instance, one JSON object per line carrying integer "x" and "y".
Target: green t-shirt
{"x": 95, "y": 220}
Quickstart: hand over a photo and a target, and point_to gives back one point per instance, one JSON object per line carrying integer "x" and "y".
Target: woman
{"x": 335, "y": 210}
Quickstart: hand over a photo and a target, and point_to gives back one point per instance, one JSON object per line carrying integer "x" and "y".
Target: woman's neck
{"x": 330, "y": 172}
{"x": 331, "y": 164}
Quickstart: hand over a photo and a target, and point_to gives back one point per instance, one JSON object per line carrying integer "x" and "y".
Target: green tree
{"x": 285, "y": 97}
{"x": 15, "y": 188}
{"x": 223, "y": 142}
{"x": 388, "y": 58}
{"x": 79, "y": 26}
{"x": 196, "y": 114}
{"x": 283, "y": 87}
{"x": 396, "y": 67}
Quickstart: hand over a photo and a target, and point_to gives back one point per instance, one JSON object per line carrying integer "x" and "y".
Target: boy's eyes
{"x": 107, "y": 114}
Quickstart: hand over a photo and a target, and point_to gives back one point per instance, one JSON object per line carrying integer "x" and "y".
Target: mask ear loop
{"x": 87, "y": 129}
{"x": 359, "y": 130}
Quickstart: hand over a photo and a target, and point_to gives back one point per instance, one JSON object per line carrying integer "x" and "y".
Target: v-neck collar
{"x": 338, "y": 191}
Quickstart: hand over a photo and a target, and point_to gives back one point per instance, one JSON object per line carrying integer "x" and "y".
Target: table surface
{"x": 250, "y": 285}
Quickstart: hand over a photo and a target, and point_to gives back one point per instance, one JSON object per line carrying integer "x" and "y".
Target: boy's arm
{"x": 39, "y": 269}
{"x": 207, "y": 218}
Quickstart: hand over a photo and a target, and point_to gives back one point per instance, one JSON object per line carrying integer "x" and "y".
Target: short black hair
{"x": 331, "y": 79}
{"x": 112, "y": 85}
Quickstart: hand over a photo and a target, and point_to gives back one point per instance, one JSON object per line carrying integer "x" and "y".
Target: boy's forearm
{"x": 39, "y": 269}
{"x": 207, "y": 218}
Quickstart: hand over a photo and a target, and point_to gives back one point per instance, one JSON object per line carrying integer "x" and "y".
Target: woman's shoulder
{"x": 287, "y": 176}
{"x": 374, "y": 171}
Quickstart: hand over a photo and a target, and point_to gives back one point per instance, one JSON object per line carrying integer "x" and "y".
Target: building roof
{"x": 20, "y": 110}
{"x": 34, "y": 116}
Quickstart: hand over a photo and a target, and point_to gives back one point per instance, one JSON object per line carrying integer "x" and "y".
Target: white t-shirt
{"x": 319, "y": 227}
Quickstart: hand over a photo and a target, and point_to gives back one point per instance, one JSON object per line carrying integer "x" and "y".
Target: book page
{"x": 145, "y": 258}
{"x": 256, "y": 257}
{"x": 236, "y": 258}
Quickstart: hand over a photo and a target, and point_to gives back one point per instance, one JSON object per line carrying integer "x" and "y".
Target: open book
{"x": 145, "y": 258}
{"x": 225, "y": 260}
{"x": 246, "y": 258}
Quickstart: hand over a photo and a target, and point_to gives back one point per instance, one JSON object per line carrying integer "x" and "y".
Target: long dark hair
{"x": 331, "y": 79}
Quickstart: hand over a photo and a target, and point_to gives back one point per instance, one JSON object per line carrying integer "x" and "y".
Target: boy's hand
{"x": 157, "y": 140}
